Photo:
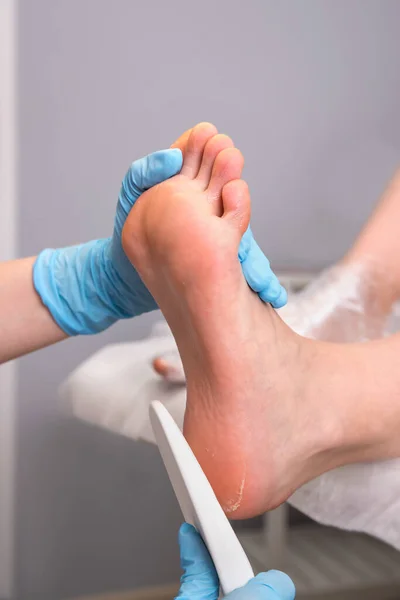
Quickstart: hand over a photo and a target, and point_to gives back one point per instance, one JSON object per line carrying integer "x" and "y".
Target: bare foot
{"x": 341, "y": 305}
{"x": 251, "y": 419}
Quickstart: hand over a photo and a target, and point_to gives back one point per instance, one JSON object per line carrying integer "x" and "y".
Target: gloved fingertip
{"x": 187, "y": 529}
{"x": 278, "y": 582}
{"x": 274, "y": 293}
{"x": 245, "y": 244}
{"x": 189, "y": 538}
{"x": 257, "y": 273}
{"x": 281, "y": 300}
{"x": 192, "y": 546}
{"x": 171, "y": 157}
{"x": 155, "y": 168}
{"x": 274, "y": 289}
{"x": 175, "y": 152}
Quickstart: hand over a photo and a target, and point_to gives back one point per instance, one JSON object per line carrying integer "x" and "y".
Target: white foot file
{"x": 198, "y": 502}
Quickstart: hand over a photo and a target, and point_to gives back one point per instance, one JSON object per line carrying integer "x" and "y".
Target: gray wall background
{"x": 309, "y": 90}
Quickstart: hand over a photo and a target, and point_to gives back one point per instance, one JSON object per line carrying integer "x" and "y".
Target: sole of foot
{"x": 246, "y": 371}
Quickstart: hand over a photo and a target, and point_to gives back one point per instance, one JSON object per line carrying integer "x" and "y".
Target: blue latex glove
{"x": 89, "y": 287}
{"x": 200, "y": 580}
{"x": 258, "y": 273}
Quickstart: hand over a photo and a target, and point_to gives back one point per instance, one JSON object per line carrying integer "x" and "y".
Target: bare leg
{"x": 267, "y": 409}
{"x": 25, "y": 323}
{"x": 351, "y": 301}
{"x": 378, "y": 246}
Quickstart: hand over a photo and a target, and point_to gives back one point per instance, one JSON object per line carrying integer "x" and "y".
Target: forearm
{"x": 25, "y": 323}
{"x": 81, "y": 289}
{"x": 378, "y": 245}
{"x": 84, "y": 289}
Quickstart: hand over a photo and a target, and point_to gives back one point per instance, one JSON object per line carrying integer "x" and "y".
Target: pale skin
{"x": 25, "y": 323}
{"x": 267, "y": 409}
{"x": 376, "y": 251}
{"x": 379, "y": 243}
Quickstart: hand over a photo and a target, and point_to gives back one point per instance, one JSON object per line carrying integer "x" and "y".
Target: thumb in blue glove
{"x": 89, "y": 287}
{"x": 200, "y": 580}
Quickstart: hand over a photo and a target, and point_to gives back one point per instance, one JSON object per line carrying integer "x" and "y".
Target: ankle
{"x": 327, "y": 420}
{"x": 349, "y": 425}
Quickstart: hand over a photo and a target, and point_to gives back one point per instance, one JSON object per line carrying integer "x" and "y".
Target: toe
{"x": 227, "y": 167}
{"x": 236, "y": 204}
{"x": 196, "y": 143}
{"x": 214, "y": 146}
{"x": 161, "y": 367}
{"x": 170, "y": 368}
{"x": 182, "y": 141}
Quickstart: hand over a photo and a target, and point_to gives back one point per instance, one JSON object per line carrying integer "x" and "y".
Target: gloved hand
{"x": 258, "y": 273}
{"x": 200, "y": 580}
{"x": 89, "y": 287}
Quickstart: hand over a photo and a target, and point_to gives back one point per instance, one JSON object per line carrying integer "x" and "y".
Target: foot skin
{"x": 342, "y": 305}
{"x": 247, "y": 418}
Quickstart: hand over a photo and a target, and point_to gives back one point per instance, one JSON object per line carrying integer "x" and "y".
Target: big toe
{"x": 193, "y": 154}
